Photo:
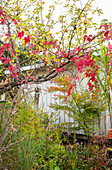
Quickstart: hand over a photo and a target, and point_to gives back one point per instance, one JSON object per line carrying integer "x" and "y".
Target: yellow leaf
{"x": 85, "y": 22}
{"x": 12, "y": 61}
{"x": 90, "y": 99}
{"x": 80, "y": 54}
{"x": 110, "y": 149}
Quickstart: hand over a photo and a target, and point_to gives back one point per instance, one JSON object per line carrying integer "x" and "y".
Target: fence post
{"x": 36, "y": 100}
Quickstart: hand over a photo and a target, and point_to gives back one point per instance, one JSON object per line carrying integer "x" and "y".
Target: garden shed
{"x": 39, "y": 94}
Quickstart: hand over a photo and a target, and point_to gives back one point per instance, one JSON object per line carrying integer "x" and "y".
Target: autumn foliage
{"x": 42, "y": 46}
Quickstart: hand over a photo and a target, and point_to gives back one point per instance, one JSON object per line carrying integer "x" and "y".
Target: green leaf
{"x": 51, "y": 164}
{"x": 104, "y": 20}
{"x": 57, "y": 168}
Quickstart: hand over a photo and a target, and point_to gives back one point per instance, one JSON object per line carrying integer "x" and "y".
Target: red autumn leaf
{"x": 15, "y": 22}
{"x": 7, "y": 35}
{"x": 44, "y": 59}
{"x": 45, "y": 43}
{"x": 102, "y": 32}
{"x": 90, "y": 35}
{"x": 11, "y": 68}
{"x": 20, "y": 34}
{"x": 85, "y": 37}
{"x": 65, "y": 99}
{"x": 106, "y": 33}
{"x": 89, "y": 39}
{"x": 6, "y": 46}
{"x": 44, "y": 52}
{"x": 78, "y": 49}
{"x": 58, "y": 47}
{"x": 106, "y": 26}
{"x": 27, "y": 39}
{"x": 7, "y": 60}
{"x": 109, "y": 46}
{"x": 65, "y": 55}
{"x": 54, "y": 44}
{"x": 14, "y": 74}
{"x": 57, "y": 70}
{"x": 62, "y": 69}
{"x": 90, "y": 86}
{"x": 3, "y": 20}
{"x": 69, "y": 91}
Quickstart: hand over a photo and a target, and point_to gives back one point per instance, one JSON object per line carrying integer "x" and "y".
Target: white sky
{"x": 106, "y": 6}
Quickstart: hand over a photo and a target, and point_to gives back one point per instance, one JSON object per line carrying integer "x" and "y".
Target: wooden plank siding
{"x": 43, "y": 100}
